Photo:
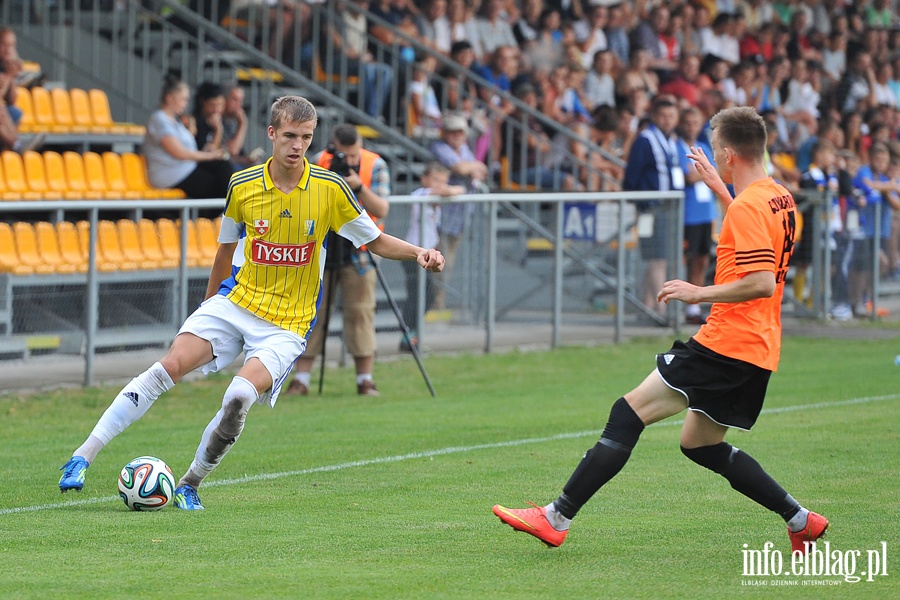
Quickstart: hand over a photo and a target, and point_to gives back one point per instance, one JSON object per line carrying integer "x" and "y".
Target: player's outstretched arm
{"x": 758, "y": 284}
{"x": 388, "y": 246}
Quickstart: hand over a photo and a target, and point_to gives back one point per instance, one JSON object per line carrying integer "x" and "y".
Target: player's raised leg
{"x": 186, "y": 354}
{"x": 703, "y": 441}
{"x": 651, "y": 401}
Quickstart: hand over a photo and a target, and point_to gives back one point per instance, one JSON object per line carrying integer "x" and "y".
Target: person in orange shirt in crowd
{"x": 720, "y": 375}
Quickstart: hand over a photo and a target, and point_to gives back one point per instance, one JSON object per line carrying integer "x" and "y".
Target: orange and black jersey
{"x": 758, "y": 234}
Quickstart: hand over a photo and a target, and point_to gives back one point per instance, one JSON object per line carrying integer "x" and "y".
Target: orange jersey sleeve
{"x": 758, "y": 234}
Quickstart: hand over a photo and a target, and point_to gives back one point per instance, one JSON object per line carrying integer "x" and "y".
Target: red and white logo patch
{"x": 261, "y": 226}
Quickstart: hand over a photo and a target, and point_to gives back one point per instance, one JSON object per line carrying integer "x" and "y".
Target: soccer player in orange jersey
{"x": 720, "y": 375}
{"x": 281, "y": 212}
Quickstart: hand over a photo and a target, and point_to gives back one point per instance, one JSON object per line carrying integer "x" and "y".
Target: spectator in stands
{"x": 684, "y": 83}
{"x": 700, "y": 209}
{"x": 493, "y": 30}
{"x": 278, "y": 15}
{"x": 209, "y": 106}
{"x": 463, "y": 26}
{"x": 434, "y": 26}
{"x": 617, "y": 33}
{"x": 720, "y": 40}
{"x": 874, "y": 186}
{"x": 637, "y": 76}
{"x": 456, "y": 92}
{"x": 346, "y": 39}
{"x": 454, "y": 152}
{"x": 346, "y": 267}
{"x": 435, "y": 182}
{"x": 653, "y": 35}
{"x": 424, "y": 107}
{"x": 528, "y": 26}
{"x": 853, "y": 91}
{"x": 834, "y": 57}
{"x": 173, "y": 160}
{"x": 596, "y": 39}
{"x": 604, "y": 133}
{"x": 600, "y": 84}
{"x": 10, "y": 67}
{"x": 653, "y": 165}
{"x": 234, "y": 130}
{"x": 401, "y": 19}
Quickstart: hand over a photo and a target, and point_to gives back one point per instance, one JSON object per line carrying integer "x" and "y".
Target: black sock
{"x": 745, "y": 475}
{"x": 602, "y": 462}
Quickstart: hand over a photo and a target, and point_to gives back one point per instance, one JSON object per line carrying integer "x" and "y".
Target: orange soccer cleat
{"x": 533, "y": 521}
{"x": 816, "y": 526}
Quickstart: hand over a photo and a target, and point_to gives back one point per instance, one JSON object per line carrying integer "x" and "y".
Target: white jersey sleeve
{"x": 360, "y": 230}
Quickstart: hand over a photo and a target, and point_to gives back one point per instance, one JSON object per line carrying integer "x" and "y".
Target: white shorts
{"x": 232, "y": 330}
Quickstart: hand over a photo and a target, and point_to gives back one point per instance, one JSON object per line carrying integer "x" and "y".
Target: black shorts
{"x": 803, "y": 252}
{"x": 860, "y": 253}
{"x": 698, "y": 239}
{"x": 727, "y": 390}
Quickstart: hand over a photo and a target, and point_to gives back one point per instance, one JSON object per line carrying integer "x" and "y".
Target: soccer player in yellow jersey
{"x": 721, "y": 374}
{"x": 281, "y": 211}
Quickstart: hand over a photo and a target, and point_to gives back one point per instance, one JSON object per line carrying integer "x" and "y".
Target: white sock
{"x": 798, "y": 521}
{"x": 303, "y": 378}
{"x": 557, "y": 521}
{"x": 129, "y": 406}
{"x": 209, "y": 455}
{"x": 363, "y": 377}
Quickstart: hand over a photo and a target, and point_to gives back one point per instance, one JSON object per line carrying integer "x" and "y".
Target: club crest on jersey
{"x": 310, "y": 227}
{"x": 261, "y": 226}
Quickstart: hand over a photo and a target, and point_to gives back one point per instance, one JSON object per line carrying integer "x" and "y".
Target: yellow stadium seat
{"x": 44, "y": 117}
{"x": 196, "y": 257}
{"x": 170, "y": 240}
{"x": 36, "y": 177}
{"x": 152, "y": 247}
{"x": 48, "y": 248}
{"x": 130, "y": 242}
{"x": 26, "y": 105}
{"x": 55, "y": 174}
{"x": 135, "y": 168}
{"x": 506, "y": 182}
{"x": 70, "y": 246}
{"x": 81, "y": 110}
{"x": 5, "y": 194}
{"x": 110, "y": 248}
{"x": 62, "y": 110}
{"x": 115, "y": 176}
{"x": 14, "y": 172}
{"x": 84, "y": 241}
{"x": 102, "y": 115}
{"x": 76, "y": 177}
{"x": 9, "y": 258}
{"x": 207, "y": 238}
{"x": 26, "y": 247}
{"x": 95, "y": 175}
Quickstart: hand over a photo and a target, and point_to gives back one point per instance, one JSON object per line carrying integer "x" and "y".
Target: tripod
{"x": 404, "y": 328}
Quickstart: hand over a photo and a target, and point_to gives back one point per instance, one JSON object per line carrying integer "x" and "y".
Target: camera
{"x": 338, "y": 162}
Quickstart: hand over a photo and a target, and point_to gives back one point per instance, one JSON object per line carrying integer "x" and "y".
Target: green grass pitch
{"x": 346, "y": 497}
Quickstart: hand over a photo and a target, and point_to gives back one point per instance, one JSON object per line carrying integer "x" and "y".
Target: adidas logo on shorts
{"x": 668, "y": 358}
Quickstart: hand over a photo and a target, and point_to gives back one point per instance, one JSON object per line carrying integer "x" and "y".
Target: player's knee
{"x": 716, "y": 458}
{"x": 623, "y": 428}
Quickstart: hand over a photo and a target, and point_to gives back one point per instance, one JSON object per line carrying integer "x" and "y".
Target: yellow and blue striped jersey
{"x": 284, "y": 234}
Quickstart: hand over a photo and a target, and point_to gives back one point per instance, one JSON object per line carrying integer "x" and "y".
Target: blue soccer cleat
{"x": 73, "y": 474}
{"x": 186, "y": 498}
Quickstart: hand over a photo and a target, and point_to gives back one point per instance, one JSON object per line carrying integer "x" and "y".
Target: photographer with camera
{"x": 346, "y": 267}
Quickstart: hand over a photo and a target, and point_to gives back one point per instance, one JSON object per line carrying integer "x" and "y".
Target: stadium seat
{"x": 14, "y": 173}
{"x": 170, "y": 240}
{"x": 102, "y": 115}
{"x": 130, "y": 242}
{"x": 26, "y": 105}
{"x": 506, "y": 182}
{"x": 110, "y": 248}
{"x": 62, "y": 111}
{"x": 70, "y": 245}
{"x": 81, "y": 110}
{"x": 84, "y": 242}
{"x": 44, "y": 118}
{"x": 323, "y": 77}
{"x": 196, "y": 255}
{"x": 115, "y": 176}
{"x": 152, "y": 247}
{"x": 48, "y": 248}
{"x": 135, "y": 169}
{"x": 55, "y": 174}
{"x": 26, "y": 248}
{"x": 207, "y": 238}
{"x": 95, "y": 175}
{"x": 9, "y": 258}
{"x": 76, "y": 177}
{"x": 5, "y": 194}
{"x": 36, "y": 177}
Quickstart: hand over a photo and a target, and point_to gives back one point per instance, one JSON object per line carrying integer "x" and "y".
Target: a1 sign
{"x": 580, "y": 220}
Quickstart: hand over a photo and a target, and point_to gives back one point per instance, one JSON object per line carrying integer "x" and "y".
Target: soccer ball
{"x": 146, "y": 483}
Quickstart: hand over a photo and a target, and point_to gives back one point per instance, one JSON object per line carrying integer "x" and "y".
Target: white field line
{"x": 438, "y": 452}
